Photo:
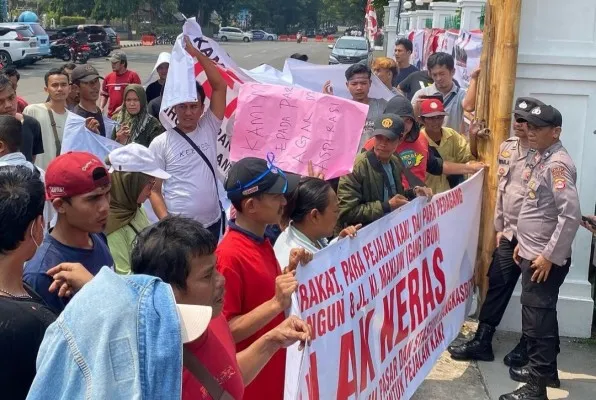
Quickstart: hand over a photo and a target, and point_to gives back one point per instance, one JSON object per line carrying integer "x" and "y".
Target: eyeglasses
{"x": 272, "y": 169}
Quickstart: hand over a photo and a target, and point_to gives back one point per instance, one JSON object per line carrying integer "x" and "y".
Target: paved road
{"x": 142, "y": 60}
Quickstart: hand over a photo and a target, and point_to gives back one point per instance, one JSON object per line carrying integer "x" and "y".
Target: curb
{"x": 123, "y": 46}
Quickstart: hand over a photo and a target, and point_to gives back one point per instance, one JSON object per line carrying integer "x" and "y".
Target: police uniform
{"x": 503, "y": 272}
{"x": 548, "y": 221}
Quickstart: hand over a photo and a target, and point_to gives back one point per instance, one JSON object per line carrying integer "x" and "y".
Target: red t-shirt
{"x": 21, "y": 104}
{"x": 249, "y": 265}
{"x": 413, "y": 155}
{"x": 113, "y": 87}
{"x": 217, "y": 352}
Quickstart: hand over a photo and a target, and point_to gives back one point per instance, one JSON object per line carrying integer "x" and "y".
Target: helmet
{"x": 80, "y": 27}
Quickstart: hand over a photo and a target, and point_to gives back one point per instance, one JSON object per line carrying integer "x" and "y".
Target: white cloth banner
{"x": 466, "y": 52}
{"x": 78, "y": 138}
{"x": 384, "y": 305}
{"x": 418, "y": 53}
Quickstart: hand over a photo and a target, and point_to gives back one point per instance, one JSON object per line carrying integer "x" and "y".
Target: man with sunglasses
{"x": 256, "y": 291}
{"x": 374, "y": 188}
{"x": 504, "y": 273}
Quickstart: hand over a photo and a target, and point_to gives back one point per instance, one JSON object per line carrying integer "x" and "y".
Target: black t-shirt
{"x": 414, "y": 82}
{"x": 154, "y": 91}
{"x": 87, "y": 114}
{"x": 32, "y": 143}
{"x": 23, "y": 323}
{"x": 402, "y": 74}
{"x": 154, "y": 106}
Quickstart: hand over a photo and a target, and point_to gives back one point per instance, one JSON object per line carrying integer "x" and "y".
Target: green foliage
{"x": 71, "y": 20}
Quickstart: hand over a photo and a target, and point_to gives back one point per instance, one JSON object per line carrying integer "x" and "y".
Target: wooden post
{"x": 495, "y": 91}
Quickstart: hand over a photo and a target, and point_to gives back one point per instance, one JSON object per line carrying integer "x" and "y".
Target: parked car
{"x": 18, "y": 44}
{"x": 350, "y": 50}
{"x": 43, "y": 39}
{"x": 230, "y": 33}
{"x": 259, "y": 34}
{"x": 97, "y": 33}
{"x": 114, "y": 37}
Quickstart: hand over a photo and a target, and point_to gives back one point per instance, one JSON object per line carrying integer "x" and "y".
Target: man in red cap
{"x": 78, "y": 185}
{"x": 452, "y": 146}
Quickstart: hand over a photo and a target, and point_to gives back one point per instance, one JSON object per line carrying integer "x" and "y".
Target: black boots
{"x": 531, "y": 391}
{"x": 479, "y": 348}
{"x": 518, "y": 357}
{"x": 523, "y": 375}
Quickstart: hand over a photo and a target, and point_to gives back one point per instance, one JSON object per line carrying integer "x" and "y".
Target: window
{"x": 37, "y": 30}
{"x": 351, "y": 44}
{"x": 24, "y": 31}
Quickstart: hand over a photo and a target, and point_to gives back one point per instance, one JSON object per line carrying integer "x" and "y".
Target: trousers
{"x": 503, "y": 274}
{"x": 539, "y": 318}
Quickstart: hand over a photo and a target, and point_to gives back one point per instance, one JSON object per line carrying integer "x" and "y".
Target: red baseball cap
{"x": 432, "y": 108}
{"x": 73, "y": 174}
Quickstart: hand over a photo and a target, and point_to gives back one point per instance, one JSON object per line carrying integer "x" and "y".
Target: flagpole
{"x": 398, "y": 18}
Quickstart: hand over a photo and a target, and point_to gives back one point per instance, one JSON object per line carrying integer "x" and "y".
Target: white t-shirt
{"x": 191, "y": 190}
{"x": 40, "y": 113}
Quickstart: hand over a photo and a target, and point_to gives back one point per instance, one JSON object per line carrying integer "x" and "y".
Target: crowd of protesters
{"x": 72, "y": 221}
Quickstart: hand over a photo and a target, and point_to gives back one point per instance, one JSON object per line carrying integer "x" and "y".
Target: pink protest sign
{"x": 297, "y": 126}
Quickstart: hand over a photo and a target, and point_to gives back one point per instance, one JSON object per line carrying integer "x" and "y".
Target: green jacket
{"x": 361, "y": 192}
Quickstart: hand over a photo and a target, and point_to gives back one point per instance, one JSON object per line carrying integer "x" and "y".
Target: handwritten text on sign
{"x": 298, "y": 126}
{"x": 384, "y": 305}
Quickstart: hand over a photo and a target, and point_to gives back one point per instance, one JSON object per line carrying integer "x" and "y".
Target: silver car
{"x": 230, "y": 33}
{"x": 350, "y": 50}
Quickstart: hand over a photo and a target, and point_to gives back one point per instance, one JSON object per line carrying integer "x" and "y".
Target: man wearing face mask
{"x": 78, "y": 185}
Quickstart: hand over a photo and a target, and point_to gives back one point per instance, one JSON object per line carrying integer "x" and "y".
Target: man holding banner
{"x": 188, "y": 153}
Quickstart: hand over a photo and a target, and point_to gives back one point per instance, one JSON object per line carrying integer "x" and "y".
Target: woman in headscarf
{"x": 135, "y": 124}
{"x": 134, "y": 170}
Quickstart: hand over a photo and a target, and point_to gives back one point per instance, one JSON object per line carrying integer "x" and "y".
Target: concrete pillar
{"x": 422, "y": 15}
{"x": 391, "y": 16}
{"x": 471, "y": 10}
{"x": 410, "y": 21}
{"x": 441, "y": 10}
{"x": 556, "y": 65}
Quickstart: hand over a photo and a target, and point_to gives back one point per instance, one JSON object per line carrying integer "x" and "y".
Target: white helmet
{"x": 80, "y": 28}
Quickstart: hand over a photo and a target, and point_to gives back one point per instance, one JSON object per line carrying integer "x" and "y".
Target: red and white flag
{"x": 372, "y": 27}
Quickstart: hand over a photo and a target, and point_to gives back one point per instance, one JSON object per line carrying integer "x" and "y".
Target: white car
{"x": 259, "y": 34}
{"x": 18, "y": 44}
{"x": 230, "y": 33}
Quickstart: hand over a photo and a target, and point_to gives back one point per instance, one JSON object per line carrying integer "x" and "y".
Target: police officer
{"x": 548, "y": 221}
{"x": 503, "y": 272}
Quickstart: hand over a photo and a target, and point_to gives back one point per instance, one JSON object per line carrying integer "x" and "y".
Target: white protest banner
{"x": 467, "y": 51}
{"x": 418, "y": 52}
{"x": 384, "y": 305}
{"x": 297, "y": 126}
{"x": 233, "y": 76}
{"x": 313, "y": 77}
{"x": 78, "y": 138}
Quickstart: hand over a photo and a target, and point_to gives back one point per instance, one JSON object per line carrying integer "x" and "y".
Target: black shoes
{"x": 518, "y": 357}
{"x": 479, "y": 348}
{"x": 523, "y": 375}
{"x": 526, "y": 392}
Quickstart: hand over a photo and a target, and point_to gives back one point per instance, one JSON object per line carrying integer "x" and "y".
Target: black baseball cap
{"x": 389, "y": 125}
{"x": 525, "y": 104}
{"x": 252, "y": 176}
{"x": 84, "y": 73}
{"x": 401, "y": 106}
{"x": 543, "y": 115}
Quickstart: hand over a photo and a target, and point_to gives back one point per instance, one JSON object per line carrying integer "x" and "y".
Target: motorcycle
{"x": 60, "y": 49}
{"x": 97, "y": 50}
{"x": 299, "y": 38}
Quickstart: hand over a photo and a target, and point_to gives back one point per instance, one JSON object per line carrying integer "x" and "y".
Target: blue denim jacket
{"x": 119, "y": 338}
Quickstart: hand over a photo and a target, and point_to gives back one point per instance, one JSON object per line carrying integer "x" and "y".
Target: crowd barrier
{"x": 330, "y": 39}
{"x": 148, "y": 40}
{"x": 319, "y": 38}
{"x": 283, "y": 38}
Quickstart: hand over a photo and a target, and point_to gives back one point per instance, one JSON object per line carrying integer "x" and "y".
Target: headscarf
{"x": 126, "y": 188}
{"x": 143, "y": 127}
